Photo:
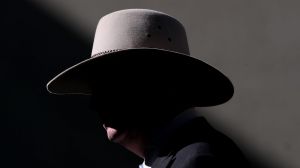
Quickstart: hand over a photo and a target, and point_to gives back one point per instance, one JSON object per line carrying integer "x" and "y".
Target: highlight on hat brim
{"x": 197, "y": 81}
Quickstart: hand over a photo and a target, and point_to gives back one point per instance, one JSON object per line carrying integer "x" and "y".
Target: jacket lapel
{"x": 163, "y": 162}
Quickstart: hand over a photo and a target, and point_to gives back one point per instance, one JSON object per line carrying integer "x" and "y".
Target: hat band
{"x": 105, "y": 52}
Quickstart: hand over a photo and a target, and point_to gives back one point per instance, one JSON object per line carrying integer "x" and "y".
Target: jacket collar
{"x": 170, "y": 137}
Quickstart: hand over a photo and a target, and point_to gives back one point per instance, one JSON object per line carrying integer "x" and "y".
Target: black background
{"x": 39, "y": 129}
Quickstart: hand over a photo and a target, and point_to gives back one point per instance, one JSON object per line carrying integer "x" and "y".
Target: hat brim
{"x": 197, "y": 82}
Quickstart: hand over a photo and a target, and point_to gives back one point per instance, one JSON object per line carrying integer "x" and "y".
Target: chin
{"x": 115, "y": 135}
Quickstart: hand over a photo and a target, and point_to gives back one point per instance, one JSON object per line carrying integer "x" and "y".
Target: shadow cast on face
{"x": 137, "y": 96}
{"x": 134, "y": 105}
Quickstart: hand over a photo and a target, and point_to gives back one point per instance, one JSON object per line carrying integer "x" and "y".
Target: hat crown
{"x": 139, "y": 28}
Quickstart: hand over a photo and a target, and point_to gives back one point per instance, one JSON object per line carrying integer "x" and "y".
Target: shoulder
{"x": 195, "y": 149}
{"x": 204, "y": 155}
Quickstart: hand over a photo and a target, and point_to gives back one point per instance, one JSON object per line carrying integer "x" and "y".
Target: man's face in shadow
{"x": 122, "y": 112}
{"x": 127, "y": 101}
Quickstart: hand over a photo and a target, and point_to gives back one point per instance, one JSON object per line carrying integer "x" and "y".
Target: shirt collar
{"x": 143, "y": 165}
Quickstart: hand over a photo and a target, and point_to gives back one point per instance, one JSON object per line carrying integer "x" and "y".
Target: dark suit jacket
{"x": 196, "y": 145}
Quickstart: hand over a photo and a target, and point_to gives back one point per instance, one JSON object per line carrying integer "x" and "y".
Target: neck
{"x": 136, "y": 143}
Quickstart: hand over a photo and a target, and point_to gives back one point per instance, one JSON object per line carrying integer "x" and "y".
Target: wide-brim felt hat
{"x": 144, "y": 51}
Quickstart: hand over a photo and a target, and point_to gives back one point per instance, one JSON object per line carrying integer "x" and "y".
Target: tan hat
{"x": 144, "y": 43}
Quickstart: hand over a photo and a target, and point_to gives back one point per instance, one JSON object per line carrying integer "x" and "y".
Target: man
{"x": 144, "y": 84}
